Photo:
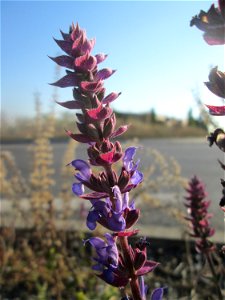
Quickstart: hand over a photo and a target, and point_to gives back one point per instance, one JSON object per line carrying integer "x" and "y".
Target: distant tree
{"x": 195, "y": 122}
{"x": 152, "y": 116}
{"x": 190, "y": 118}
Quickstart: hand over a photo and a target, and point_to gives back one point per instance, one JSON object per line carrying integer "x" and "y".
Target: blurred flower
{"x": 222, "y": 201}
{"x": 216, "y": 83}
{"x": 212, "y": 23}
{"x": 198, "y": 216}
{"x": 217, "y": 137}
{"x": 216, "y": 110}
{"x": 157, "y": 294}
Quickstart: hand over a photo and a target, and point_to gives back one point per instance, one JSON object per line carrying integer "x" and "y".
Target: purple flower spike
{"x": 198, "y": 216}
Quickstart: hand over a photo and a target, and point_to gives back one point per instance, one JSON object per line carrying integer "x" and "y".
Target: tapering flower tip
{"x": 216, "y": 110}
{"x": 212, "y": 23}
{"x": 217, "y": 137}
{"x": 216, "y": 83}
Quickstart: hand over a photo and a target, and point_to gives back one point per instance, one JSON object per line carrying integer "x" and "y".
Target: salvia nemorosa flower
{"x": 116, "y": 216}
{"x": 109, "y": 189}
{"x": 212, "y": 23}
{"x": 102, "y": 185}
{"x": 198, "y": 216}
{"x": 216, "y": 83}
{"x": 217, "y": 137}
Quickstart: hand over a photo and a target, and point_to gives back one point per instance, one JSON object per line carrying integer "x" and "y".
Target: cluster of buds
{"x": 108, "y": 189}
{"x": 198, "y": 216}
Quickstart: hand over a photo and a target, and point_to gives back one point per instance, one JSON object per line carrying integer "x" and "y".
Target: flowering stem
{"x": 211, "y": 266}
{"x": 134, "y": 284}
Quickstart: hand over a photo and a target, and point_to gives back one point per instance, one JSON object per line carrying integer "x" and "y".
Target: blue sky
{"x": 159, "y": 58}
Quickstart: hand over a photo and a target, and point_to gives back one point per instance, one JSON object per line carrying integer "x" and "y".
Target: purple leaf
{"x": 81, "y": 138}
{"x": 119, "y": 131}
{"x": 100, "y": 57}
{"x": 216, "y": 110}
{"x": 66, "y": 46}
{"x": 64, "y": 61}
{"x": 111, "y": 97}
{"x": 66, "y": 81}
{"x": 104, "y": 74}
{"x": 72, "y": 104}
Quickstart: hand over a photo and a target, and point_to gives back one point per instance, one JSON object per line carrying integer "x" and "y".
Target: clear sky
{"x": 159, "y": 58}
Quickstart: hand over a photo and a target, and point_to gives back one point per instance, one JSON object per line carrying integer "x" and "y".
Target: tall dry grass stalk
{"x": 13, "y": 187}
{"x": 41, "y": 180}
